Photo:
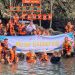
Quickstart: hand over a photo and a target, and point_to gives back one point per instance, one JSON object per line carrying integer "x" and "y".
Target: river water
{"x": 66, "y": 67}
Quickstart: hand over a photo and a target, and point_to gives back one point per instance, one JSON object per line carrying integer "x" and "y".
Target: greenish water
{"x": 66, "y": 67}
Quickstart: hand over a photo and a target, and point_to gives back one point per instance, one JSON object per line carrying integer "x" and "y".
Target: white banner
{"x": 38, "y": 43}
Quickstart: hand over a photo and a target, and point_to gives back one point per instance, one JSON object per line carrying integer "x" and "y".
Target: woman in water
{"x": 31, "y": 57}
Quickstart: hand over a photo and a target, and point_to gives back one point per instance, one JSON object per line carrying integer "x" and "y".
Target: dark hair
{"x": 13, "y": 47}
{"x": 5, "y": 39}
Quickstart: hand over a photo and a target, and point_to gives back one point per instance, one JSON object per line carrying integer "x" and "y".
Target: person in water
{"x": 66, "y": 47}
{"x": 31, "y": 57}
{"x": 12, "y": 57}
{"x": 55, "y": 58}
{"x": 4, "y": 51}
{"x": 44, "y": 57}
{"x": 1, "y": 48}
{"x": 5, "y": 44}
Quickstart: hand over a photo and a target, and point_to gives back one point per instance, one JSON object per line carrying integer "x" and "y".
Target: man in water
{"x": 66, "y": 47}
{"x": 12, "y": 57}
{"x": 5, "y": 49}
{"x": 5, "y": 44}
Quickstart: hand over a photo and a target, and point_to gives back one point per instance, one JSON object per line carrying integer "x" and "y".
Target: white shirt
{"x": 29, "y": 28}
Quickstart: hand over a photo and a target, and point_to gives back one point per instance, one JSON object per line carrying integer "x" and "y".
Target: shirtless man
{"x": 69, "y": 27}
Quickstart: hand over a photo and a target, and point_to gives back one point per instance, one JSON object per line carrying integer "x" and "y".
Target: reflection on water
{"x": 66, "y": 67}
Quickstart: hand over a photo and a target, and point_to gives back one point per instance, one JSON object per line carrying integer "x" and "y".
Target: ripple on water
{"x": 67, "y": 67}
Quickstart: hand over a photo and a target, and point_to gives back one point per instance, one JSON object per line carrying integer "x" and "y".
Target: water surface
{"x": 66, "y": 67}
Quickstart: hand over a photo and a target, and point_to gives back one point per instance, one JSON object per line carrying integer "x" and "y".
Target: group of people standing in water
{"x": 66, "y": 51}
{"x": 9, "y": 55}
{"x": 31, "y": 57}
{"x": 14, "y": 28}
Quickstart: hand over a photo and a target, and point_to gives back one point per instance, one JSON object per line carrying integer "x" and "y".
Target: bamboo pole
{"x": 51, "y": 12}
{"x": 10, "y": 9}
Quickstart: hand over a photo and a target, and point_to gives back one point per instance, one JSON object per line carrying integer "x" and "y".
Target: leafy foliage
{"x": 61, "y": 8}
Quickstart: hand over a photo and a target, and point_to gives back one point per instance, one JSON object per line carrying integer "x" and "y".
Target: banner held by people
{"x": 38, "y": 43}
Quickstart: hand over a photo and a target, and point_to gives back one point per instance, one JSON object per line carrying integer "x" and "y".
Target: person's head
{"x": 14, "y": 48}
{"x": 66, "y": 39}
{"x": 59, "y": 53}
{"x": 69, "y": 23}
{"x": 44, "y": 53}
{"x": 31, "y": 23}
{"x": 35, "y": 32}
{"x": 24, "y": 13}
{"x": 6, "y": 40}
{"x": 40, "y": 32}
{"x": 23, "y": 25}
{"x": 55, "y": 53}
{"x": 16, "y": 14}
{"x": 43, "y": 32}
{"x": 31, "y": 51}
{"x": 18, "y": 24}
{"x": 38, "y": 29}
